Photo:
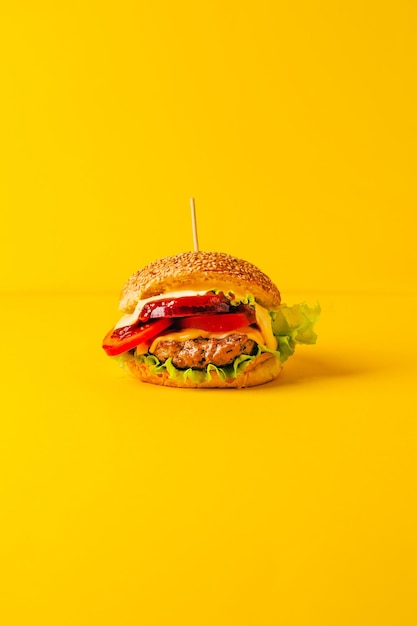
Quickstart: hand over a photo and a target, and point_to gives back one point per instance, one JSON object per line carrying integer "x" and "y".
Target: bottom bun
{"x": 263, "y": 369}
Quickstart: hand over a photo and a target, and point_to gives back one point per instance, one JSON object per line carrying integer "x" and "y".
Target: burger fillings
{"x": 202, "y": 319}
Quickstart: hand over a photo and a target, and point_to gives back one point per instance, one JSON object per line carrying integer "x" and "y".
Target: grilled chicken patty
{"x": 198, "y": 353}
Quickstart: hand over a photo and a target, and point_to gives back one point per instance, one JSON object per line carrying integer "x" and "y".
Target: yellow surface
{"x": 291, "y": 503}
{"x": 293, "y": 125}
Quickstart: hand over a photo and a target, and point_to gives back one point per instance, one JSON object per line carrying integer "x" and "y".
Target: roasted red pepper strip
{"x": 125, "y": 338}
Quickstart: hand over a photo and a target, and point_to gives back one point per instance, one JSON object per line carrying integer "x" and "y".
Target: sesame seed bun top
{"x": 199, "y": 271}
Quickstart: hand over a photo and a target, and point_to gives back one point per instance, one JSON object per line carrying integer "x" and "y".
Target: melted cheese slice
{"x": 264, "y": 322}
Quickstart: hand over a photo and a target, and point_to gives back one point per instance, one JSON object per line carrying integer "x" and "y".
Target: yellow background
{"x": 294, "y": 126}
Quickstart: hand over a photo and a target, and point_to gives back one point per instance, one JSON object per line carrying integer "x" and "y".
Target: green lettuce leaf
{"x": 292, "y": 325}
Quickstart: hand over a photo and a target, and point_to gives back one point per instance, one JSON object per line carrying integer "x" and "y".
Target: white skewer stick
{"x": 194, "y": 224}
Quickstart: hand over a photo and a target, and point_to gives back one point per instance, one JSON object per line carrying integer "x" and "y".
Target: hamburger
{"x": 206, "y": 319}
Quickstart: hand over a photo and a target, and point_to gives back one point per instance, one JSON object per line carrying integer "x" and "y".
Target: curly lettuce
{"x": 292, "y": 325}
